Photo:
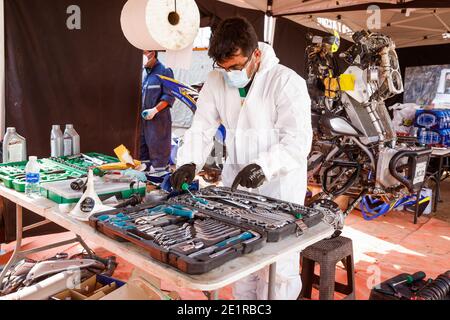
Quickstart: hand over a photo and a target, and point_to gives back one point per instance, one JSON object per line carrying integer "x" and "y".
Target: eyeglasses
{"x": 216, "y": 66}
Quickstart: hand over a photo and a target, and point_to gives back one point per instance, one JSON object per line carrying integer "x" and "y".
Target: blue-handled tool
{"x": 185, "y": 187}
{"x": 240, "y": 238}
{"x": 179, "y": 212}
{"x": 114, "y": 218}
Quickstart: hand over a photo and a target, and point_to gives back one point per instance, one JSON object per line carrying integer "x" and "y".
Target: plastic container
{"x": 71, "y": 141}
{"x": 56, "y": 141}
{"x": 437, "y": 119}
{"x": 14, "y": 147}
{"x": 32, "y": 178}
{"x": 428, "y": 137}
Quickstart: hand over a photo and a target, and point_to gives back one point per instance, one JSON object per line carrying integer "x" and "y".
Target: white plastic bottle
{"x": 32, "y": 178}
{"x": 14, "y": 146}
{"x": 71, "y": 141}
{"x": 56, "y": 141}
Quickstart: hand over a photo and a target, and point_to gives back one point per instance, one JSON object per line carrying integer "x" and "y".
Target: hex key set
{"x": 178, "y": 235}
{"x": 274, "y": 218}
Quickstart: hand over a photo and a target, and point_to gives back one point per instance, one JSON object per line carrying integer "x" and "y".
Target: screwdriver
{"x": 409, "y": 279}
{"x": 185, "y": 187}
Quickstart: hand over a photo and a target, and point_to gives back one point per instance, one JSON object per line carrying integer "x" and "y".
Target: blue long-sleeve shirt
{"x": 152, "y": 90}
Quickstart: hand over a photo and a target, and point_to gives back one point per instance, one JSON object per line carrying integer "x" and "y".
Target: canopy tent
{"x": 409, "y": 22}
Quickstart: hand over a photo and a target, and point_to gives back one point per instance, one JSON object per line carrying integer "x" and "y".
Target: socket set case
{"x": 197, "y": 254}
{"x": 274, "y": 218}
{"x": 52, "y": 169}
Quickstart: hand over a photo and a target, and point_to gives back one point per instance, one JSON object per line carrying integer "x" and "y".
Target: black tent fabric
{"x": 89, "y": 77}
{"x": 213, "y": 11}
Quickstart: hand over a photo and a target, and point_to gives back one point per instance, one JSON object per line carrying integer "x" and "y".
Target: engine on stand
{"x": 356, "y": 151}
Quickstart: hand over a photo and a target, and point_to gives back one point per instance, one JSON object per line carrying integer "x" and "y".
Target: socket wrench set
{"x": 275, "y": 219}
{"x": 12, "y": 174}
{"x": 186, "y": 238}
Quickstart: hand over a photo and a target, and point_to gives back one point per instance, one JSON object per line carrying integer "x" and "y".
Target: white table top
{"x": 440, "y": 152}
{"x": 213, "y": 280}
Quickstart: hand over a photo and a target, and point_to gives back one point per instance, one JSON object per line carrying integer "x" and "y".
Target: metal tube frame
{"x": 19, "y": 254}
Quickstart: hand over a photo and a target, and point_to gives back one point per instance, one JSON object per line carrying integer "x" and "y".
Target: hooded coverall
{"x": 271, "y": 127}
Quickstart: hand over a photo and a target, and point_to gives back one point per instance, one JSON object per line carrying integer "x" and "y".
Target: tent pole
{"x": 2, "y": 70}
{"x": 269, "y": 29}
{"x": 269, "y": 24}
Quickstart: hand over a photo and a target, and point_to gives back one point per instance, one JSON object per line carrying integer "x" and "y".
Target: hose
{"x": 437, "y": 289}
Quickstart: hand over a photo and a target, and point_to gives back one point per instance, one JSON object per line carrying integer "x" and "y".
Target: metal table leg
{"x": 416, "y": 211}
{"x": 438, "y": 184}
{"x": 272, "y": 280}
{"x": 15, "y": 254}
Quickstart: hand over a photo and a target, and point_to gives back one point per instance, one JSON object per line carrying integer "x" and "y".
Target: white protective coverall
{"x": 271, "y": 128}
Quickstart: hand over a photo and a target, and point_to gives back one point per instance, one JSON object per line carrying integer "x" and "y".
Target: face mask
{"x": 237, "y": 78}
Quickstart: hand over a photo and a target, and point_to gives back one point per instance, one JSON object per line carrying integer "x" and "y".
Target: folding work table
{"x": 209, "y": 282}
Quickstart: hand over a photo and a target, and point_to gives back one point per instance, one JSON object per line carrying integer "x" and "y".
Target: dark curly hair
{"x": 231, "y": 35}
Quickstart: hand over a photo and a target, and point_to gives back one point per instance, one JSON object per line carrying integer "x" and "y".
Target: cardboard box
{"x": 141, "y": 286}
{"x": 94, "y": 288}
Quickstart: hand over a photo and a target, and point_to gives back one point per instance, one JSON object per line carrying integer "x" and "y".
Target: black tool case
{"x": 384, "y": 291}
{"x": 310, "y": 216}
{"x": 174, "y": 256}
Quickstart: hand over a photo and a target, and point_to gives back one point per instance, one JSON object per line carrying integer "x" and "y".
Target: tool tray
{"x": 13, "y": 173}
{"x": 175, "y": 256}
{"x": 301, "y": 217}
{"x": 79, "y": 163}
{"x": 61, "y": 192}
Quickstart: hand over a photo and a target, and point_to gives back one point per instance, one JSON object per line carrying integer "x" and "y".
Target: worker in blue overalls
{"x": 157, "y": 125}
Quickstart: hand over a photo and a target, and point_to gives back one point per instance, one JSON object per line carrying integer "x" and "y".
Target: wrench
{"x": 206, "y": 222}
{"x": 173, "y": 235}
{"x": 237, "y": 193}
{"x": 215, "y": 233}
{"x": 220, "y": 236}
{"x": 212, "y": 228}
{"x": 188, "y": 245}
